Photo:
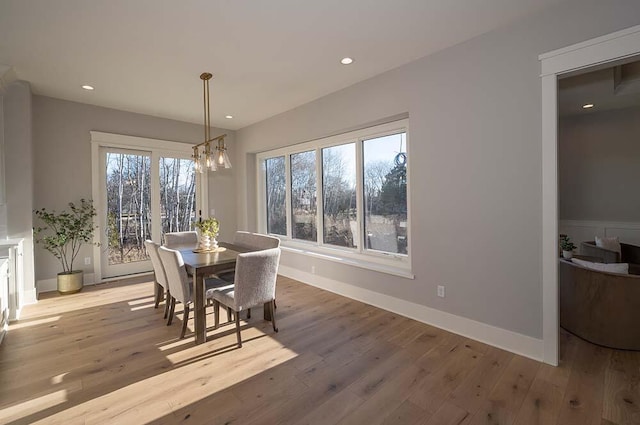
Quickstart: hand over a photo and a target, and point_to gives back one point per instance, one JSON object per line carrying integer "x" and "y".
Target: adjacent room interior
{"x": 598, "y": 159}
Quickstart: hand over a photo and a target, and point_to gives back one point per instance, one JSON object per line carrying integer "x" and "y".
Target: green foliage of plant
{"x": 65, "y": 232}
{"x": 209, "y": 227}
{"x": 566, "y": 244}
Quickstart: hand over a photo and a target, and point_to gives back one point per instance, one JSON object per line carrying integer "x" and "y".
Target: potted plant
{"x": 567, "y": 246}
{"x": 63, "y": 235}
{"x": 209, "y": 229}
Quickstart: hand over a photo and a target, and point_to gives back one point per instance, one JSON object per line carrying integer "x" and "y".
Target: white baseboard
{"x": 502, "y": 338}
{"x": 30, "y": 296}
{"x": 50, "y": 285}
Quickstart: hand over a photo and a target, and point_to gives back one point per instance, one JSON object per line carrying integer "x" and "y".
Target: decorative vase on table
{"x": 567, "y": 255}
{"x": 205, "y": 242}
{"x": 208, "y": 231}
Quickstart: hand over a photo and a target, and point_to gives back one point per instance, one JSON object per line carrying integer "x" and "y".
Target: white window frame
{"x": 391, "y": 263}
{"x": 158, "y": 149}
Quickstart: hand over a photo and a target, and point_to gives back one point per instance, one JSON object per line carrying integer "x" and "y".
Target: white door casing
{"x": 612, "y": 47}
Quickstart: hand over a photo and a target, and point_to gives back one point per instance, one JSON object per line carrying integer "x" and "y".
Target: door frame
{"x": 601, "y": 50}
{"x": 157, "y": 148}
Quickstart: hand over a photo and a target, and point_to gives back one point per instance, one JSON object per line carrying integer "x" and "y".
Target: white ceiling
{"x": 598, "y": 88}
{"x": 267, "y": 57}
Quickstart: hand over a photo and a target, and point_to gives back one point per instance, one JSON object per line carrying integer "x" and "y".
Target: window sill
{"x": 401, "y": 270}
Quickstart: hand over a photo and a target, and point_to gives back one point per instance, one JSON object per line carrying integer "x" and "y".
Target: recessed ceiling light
{"x": 228, "y": 116}
{"x": 87, "y": 87}
{"x": 346, "y": 61}
{"x": 588, "y": 106}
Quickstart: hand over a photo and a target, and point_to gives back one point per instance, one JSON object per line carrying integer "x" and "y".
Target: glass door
{"x": 145, "y": 194}
{"x": 126, "y": 189}
{"x": 178, "y": 193}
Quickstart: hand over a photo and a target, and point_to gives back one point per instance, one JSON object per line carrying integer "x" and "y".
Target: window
{"x": 385, "y": 193}
{"x": 339, "y": 194}
{"x": 343, "y": 196}
{"x": 276, "y": 196}
{"x": 303, "y": 196}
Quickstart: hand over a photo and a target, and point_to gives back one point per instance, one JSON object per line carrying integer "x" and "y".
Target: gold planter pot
{"x": 70, "y": 283}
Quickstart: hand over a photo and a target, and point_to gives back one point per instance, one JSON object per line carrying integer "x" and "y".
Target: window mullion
{"x": 288, "y": 197}
{"x": 359, "y": 195}
{"x": 319, "y": 198}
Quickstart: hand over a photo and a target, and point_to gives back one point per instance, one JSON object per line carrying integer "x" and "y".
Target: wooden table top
{"x": 205, "y": 259}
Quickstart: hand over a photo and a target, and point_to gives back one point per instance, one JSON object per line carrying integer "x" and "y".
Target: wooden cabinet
{"x": 11, "y": 282}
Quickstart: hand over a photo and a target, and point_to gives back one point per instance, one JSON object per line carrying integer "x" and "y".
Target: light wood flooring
{"x": 105, "y": 356}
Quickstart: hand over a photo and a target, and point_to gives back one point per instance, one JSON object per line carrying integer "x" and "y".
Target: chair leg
{"x": 229, "y": 314}
{"x": 216, "y": 314}
{"x": 237, "y": 313}
{"x": 272, "y": 305}
{"x": 167, "y": 301}
{"x": 172, "y": 309}
{"x": 157, "y": 294}
{"x": 185, "y": 319}
{"x": 248, "y": 313}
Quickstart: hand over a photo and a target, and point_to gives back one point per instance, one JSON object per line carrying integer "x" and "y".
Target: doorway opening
{"x": 572, "y": 60}
{"x": 142, "y": 189}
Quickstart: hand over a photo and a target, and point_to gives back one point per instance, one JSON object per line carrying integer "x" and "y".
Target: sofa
{"x": 629, "y": 254}
{"x": 600, "y": 307}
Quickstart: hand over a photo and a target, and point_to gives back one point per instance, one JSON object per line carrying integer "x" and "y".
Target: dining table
{"x": 201, "y": 265}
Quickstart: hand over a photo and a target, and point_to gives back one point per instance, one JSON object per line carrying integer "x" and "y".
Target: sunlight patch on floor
{"x": 26, "y": 324}
{"x": 142, "y": 307}
{"x": 20, "y": 410}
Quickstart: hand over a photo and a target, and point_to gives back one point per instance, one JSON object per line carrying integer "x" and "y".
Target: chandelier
{"x": 212, "y": 153}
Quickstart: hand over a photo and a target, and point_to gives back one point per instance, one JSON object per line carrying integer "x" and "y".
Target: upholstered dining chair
{"x": 256, "y": 241}
{"x": 254, "y": 284}
{"x": 179, "y": 284}
{"x": 253, "y": 241}
{"x": 159, "y": 274}
{"x": 181, "y": 240}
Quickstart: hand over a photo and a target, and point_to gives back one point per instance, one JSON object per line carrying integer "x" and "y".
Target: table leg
{"x": 199, "y": 308}
{"x": 267, "y": 312}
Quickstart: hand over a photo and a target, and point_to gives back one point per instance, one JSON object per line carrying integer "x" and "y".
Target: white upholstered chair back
{"x": 255, "y": 240}
{"x": 158, "y": 268}
{"x": 255, "y": 279}
{"x": 181, "y": 240}
{"x": 177, "y": 278}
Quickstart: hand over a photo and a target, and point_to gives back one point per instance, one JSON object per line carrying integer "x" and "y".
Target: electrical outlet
{"x": 313, "y": 269}
{"x": 441, "y": 291}
{"x": 212, "y": 212}
{"x": 87, "y": 261}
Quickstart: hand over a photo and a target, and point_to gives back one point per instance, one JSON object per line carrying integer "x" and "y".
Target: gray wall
{"x": 475, "y": 157}
{"x": 62, "y": 160}
{"x": 19, "y": 182}
{"x": 599, "y": 166}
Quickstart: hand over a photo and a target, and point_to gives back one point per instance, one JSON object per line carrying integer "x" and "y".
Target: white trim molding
{"x": 51, "y": 285}
{"x": 609, "y": 48}
{"x": 504, "y": 339}
{"x": 585, "y": 230}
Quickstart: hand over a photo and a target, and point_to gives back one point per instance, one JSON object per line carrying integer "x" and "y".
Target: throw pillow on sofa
{"x": 622, "y": 268}
{"x": 612, "y": 244}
